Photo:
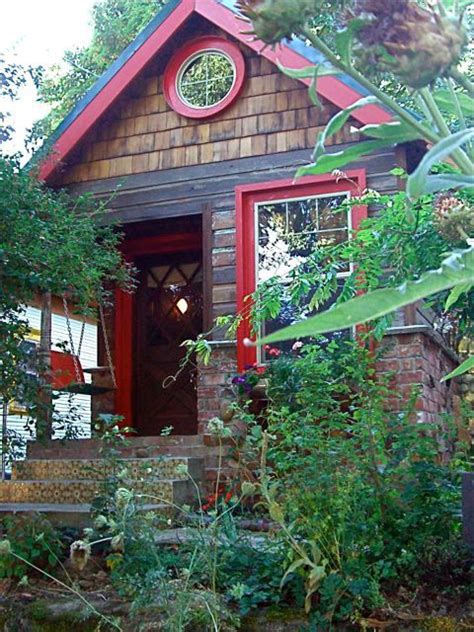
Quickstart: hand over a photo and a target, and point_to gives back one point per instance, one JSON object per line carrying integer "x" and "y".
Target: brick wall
{"x": 214, "y": 391}
{"x": 417, "y": 357}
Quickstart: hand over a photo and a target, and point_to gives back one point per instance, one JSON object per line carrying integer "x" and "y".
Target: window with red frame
{"x": 204, "y": 77}
{"x": 279, "y": 224}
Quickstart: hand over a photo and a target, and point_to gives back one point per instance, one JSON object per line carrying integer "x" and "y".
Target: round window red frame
{"x": 202, "y": 44}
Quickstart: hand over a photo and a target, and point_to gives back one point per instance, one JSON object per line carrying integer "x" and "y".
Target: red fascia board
{"x": 115, "y": 87}
{"x": 329, "y": 87}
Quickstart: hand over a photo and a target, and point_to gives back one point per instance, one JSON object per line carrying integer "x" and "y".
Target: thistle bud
{"x": 416, "y": 44}
{"x": 79, "y": 554}
{"x": 5, "y": 548}
{"x": 274, "y": 20}
{"x": 453, "y": 218}
{"x": 117, "y": 543}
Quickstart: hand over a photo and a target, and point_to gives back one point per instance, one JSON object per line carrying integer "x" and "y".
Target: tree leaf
{"x": 455, "y": 293}
{"x": 308, "y": 72}
{"x": 464, "y": 367}
{"x": 417, "y": 180}
{"x": 444, "y": 100}
{"x": 328, "y": 162}
{"x": 344, "y": 39}
{"x": 396, "y": 132}
{"x": 292, "y": 568}
{"x": 444, "y": 181}
{"x": 312, "y": 91}
{"x": 337, "y": 121}
{"x": 457, "y": 269}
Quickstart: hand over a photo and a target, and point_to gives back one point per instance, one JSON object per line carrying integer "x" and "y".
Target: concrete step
{"x": 68, "y": 514}
{"x": 174, "y": 468}
{"x": 83, "y": 492}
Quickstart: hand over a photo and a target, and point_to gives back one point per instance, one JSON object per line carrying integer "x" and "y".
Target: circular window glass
{"x": 206, "y": 79}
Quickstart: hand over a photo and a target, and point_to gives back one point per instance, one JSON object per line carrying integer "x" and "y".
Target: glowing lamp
{"x": 182, "y": 305}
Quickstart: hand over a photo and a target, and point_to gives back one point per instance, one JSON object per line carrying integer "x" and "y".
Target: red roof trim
{"x": 107, "y": 96}
{"x": 330, "y": 87}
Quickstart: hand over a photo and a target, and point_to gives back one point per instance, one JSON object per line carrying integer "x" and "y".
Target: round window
{"x": 204, "y": 77}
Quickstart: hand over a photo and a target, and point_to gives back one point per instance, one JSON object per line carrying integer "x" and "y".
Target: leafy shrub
{"x": 363, "y": 497}
{"x": 33, "y": 538}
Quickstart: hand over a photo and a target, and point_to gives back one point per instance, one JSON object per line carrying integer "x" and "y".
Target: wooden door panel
{"x": 168, "y": 311}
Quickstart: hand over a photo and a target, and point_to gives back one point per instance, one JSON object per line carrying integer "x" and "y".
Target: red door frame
{"x": 246, "y": 197}
{"x": 124, "y": 308}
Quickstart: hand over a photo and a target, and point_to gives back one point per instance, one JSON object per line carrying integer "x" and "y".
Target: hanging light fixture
{"x": 182, "y": 305}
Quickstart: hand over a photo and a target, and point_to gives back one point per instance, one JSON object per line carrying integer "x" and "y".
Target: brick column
{"x": 417, "y": 356}
{"x": 213, "y": 389}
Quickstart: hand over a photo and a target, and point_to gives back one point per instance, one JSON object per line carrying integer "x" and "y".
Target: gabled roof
{"x": 338, "y": 89}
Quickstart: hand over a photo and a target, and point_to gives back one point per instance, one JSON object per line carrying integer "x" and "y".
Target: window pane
{"x": 288, "y": 232}
{"x": 206, "y": 80}
{"x": 303, "y": 215}
{"x": 327, "y": 217}
{"x": 290, "y": 314}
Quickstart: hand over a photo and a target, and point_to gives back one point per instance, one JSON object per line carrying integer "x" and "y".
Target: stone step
{"x": 81, "y": 491}
{"x": 131, "y": 452}
{"x": 177, "y": 468}
{"x": 90, "y": 448}
{"x": 68, "y": 514}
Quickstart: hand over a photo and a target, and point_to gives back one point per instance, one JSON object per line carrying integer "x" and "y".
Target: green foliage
{"x": 414, "y": 47}
{"x": 49, "y": 242}
{"x": 362, "y": 496}
{"x": 12, "y": 78}
{"x": 33, "y": 538}
{"x": 115, "y": 24}
{"x": 456, "y": 270}
{"x": 402, "y": 241}
{"x": 420, "y": 182}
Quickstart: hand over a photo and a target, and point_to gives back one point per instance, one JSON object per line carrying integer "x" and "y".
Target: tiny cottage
{"x": 192, "y": 139}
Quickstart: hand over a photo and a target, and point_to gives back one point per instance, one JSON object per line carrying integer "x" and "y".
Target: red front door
{"x": 150, "y": 326}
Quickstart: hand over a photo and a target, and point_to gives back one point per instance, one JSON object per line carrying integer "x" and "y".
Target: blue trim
{"x": 310, "y": 53}
{"x": 104, "y": 79}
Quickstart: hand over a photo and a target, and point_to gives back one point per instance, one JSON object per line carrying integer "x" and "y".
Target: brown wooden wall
{"x": 273, "y": 114}
{"x": 156, "y": 164}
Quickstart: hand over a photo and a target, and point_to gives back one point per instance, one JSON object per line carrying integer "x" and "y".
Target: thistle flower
{"x": 453, "y": 218}
{"x": 416, "y": 44}
{"x": 79, "y": 554}
{"x": 123, "y": 497}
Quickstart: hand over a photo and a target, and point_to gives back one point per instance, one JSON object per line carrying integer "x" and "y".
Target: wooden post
{"x": 4, "y": 438}
{"x": 468, "y": 508}
{"x": 44, "y": 419}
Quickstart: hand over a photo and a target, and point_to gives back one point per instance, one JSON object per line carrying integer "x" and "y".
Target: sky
{"x": 37, "y": 32}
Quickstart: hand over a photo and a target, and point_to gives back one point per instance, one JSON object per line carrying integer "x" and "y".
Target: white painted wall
{"x": 88, "y": 359}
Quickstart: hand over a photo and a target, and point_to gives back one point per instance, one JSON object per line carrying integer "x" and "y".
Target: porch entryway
{"x": 168, "y": 311}
{"x": 156, "y": 392}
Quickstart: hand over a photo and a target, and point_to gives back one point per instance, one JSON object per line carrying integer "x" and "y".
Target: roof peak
{"x": 340, "y": 90}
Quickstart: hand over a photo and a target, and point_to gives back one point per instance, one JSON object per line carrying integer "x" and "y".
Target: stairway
{"x": 61, "y": 479}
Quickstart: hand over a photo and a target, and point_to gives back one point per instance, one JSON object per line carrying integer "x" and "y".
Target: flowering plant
{"x": 245, "y": 382}
{"x": 220, "y": 498}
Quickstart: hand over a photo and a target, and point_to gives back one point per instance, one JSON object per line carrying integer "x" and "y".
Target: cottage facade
{"x": 195, "y": 183}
